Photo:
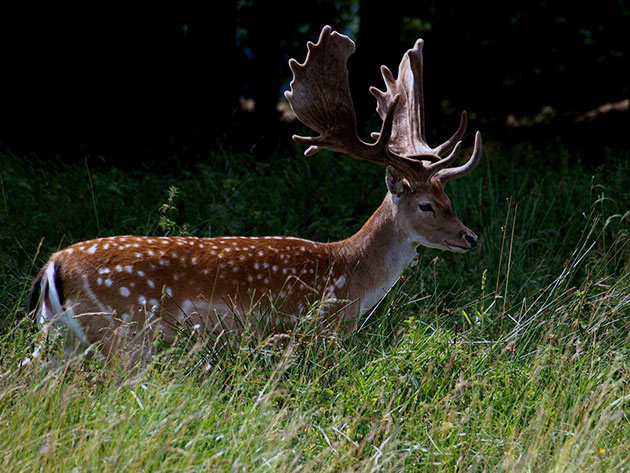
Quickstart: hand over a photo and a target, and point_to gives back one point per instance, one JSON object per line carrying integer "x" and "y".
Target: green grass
{"x": 515, "y": 357}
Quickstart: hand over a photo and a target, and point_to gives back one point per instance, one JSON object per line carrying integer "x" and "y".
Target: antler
{"x": 320, "y": 97}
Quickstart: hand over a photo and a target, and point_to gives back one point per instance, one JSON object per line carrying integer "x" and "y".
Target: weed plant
{"x": 513, "y": 357}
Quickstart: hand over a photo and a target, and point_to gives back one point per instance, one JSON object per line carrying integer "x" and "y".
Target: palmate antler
{"x": 320, "y": 97}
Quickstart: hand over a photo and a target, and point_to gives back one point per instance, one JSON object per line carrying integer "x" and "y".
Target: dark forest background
{"x": 139, "y": 85}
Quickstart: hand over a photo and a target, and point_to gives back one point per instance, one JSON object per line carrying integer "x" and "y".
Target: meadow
{"x": 512, "y": 357}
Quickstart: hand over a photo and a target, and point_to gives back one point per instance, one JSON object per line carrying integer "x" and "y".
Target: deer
{"x": 109, "y": 292}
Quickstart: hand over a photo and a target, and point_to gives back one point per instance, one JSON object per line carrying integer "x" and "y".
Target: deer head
{"x": 416, "y": 173}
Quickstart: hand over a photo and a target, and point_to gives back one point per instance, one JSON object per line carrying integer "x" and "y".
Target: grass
{"x": 512, "y": 358}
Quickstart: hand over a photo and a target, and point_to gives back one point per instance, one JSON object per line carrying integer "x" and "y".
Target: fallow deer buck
{"x": 109, "y": 290}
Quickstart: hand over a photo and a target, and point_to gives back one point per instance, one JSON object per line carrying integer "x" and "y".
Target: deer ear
{"x": 396, "y": 183}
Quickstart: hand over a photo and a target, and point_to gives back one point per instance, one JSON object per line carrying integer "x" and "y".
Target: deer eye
{"x": 426, "y": 208}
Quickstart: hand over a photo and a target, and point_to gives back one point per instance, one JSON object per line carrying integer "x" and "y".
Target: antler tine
{"x": 416, "y": 62}
{"x": 444, "y": 175}
{"x": 442, "y": 163}
{"x": 448, "y": 144}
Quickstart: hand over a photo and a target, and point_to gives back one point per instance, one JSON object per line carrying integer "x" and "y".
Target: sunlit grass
{"x": 512, "y": 358}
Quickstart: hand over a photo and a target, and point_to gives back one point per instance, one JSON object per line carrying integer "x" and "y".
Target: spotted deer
{"x": 108, "y": 291}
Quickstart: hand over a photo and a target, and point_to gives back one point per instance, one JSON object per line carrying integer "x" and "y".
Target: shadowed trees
{"x": 135, "y": 85}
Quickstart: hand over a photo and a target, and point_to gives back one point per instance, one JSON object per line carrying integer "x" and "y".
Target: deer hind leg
{"x": 127, "y": 340}
{"x": 117, "y": 340}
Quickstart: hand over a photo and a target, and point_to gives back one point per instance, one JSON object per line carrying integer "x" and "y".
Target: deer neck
{"x": 376, "y": 255}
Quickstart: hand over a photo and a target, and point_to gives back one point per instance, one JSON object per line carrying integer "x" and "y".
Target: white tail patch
{"x": 50, "y": 290}
{"x": 52, "y": 313}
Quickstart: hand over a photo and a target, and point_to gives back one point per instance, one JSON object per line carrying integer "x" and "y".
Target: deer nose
{"x": 471, "y": 239}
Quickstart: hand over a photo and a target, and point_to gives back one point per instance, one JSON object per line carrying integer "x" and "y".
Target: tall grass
{"x": 512, "y": 358}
